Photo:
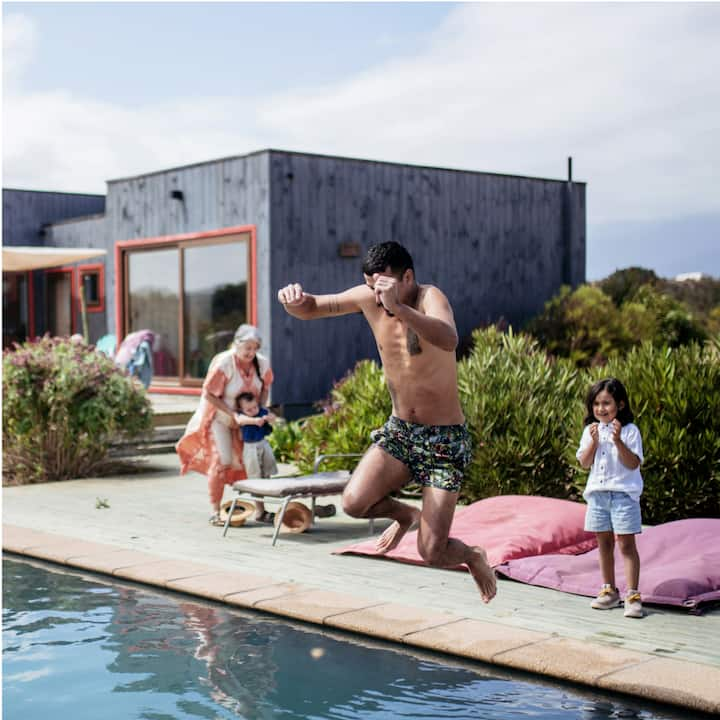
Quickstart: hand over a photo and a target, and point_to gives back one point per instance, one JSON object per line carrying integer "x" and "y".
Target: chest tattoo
{"x": 413, "y": 342}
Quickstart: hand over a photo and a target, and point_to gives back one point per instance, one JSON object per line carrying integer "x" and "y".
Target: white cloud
{"x": 57, "y": 141}
{"x": 19, "y": 38}
{"x": 628, "y": 89}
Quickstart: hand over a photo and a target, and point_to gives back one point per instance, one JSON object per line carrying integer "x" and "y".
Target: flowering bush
{"x": 63, "y": 405}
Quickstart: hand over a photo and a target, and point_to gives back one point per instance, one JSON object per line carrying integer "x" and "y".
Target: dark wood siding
{"x": 27, "y": 220}
{"x": 498, "y": 246}
{"x": 215, "y": 195}
{"x": 26, "y": 212}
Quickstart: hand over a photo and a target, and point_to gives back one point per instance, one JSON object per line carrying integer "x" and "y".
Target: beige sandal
{"x": 216, "y": 520}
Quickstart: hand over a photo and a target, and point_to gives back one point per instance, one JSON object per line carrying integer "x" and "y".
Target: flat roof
{"x": 335, "y": 157}
{"x": 54, "y": 192}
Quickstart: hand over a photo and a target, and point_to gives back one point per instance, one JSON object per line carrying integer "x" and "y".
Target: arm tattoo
{"x": 413, "y": 342}
{"x": 334, "y": 307}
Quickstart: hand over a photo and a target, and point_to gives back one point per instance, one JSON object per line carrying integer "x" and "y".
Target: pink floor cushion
{"x": 507, "y": 526}
{"x": 679, "y": 565}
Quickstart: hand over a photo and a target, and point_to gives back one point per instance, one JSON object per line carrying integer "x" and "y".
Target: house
{"x": 194, "y": 251}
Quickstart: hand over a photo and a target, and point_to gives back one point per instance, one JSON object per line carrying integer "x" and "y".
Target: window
{"x": 16, "y": 309}
{"x": 192, "y": 293}
{"x": 91, "y": 280}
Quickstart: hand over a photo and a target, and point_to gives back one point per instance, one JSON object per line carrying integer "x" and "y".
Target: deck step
{"x": 165, "y": 419}
{"x": 162, "y": 440}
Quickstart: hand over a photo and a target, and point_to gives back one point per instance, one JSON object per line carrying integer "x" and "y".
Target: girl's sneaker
{"x": 633, "y": 606}
{"x": 607, "y": 599}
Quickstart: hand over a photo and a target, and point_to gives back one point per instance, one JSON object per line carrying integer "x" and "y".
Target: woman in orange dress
{"x": 211, "y": 444}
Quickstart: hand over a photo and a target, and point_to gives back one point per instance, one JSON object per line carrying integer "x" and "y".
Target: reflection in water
{"x": 74, "y": 647}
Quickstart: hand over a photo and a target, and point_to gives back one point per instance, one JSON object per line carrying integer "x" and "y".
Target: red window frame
{"x": 98, "y": 268}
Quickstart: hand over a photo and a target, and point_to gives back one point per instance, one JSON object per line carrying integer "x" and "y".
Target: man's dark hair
{"x": 388, "y": 254}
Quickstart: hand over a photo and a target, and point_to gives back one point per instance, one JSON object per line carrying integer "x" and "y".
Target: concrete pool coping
{"x": 683, "y": 683}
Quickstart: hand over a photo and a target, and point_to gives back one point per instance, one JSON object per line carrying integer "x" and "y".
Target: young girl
{"x": 611, "y": 447}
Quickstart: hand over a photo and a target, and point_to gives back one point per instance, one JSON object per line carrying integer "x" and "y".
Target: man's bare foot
{"x": 395, "y": 533}
{"x": 483, "y": 574}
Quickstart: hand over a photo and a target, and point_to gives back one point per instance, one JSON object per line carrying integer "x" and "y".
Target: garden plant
{"x": 64, "y": 404}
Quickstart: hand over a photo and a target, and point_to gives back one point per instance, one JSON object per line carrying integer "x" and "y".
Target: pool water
{"x": 77, "y": 646}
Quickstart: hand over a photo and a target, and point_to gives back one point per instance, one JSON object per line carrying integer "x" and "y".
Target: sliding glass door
{"x": 153, "y": 303}
{"x": 215, "y": 301}
{"x": 193, "y": 294}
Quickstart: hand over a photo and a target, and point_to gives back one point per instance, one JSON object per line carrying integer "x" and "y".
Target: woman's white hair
{"x": 247, "y": 332}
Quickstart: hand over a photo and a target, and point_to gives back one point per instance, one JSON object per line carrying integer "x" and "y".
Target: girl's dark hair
{"x": 388, "y": 254}
{"x": 619, "y": 394}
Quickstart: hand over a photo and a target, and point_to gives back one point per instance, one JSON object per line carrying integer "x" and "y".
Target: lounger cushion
{"x": 507, "y": 526}
{"x": 679, "y": 565}
{"x": 321, "y": 483}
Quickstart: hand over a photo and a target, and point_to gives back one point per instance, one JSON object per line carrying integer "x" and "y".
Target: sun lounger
{"x": 286, "y": 489}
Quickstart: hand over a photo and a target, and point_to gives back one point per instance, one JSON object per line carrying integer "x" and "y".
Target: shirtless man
{"x": 426, "y": 439}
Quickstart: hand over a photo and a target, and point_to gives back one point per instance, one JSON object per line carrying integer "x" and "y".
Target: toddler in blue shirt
{"x": 256, "y": 424}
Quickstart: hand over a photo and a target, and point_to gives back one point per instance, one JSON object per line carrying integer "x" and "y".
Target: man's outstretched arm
{"x": 305, "y": 306}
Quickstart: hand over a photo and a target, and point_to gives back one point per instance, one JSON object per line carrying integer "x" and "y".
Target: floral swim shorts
{"x": 436, "y": 455}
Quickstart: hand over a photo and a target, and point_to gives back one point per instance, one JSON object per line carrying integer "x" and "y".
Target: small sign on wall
{"x": 349, "y": 249}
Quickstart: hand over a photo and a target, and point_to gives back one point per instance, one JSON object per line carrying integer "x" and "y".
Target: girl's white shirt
{"x": 607, "y": 473}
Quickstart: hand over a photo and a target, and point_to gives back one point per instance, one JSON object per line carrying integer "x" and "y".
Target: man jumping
{"x": 425, "y": 440}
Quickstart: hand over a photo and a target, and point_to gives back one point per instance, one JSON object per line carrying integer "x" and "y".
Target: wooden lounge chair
{"x": 286, "y": 489}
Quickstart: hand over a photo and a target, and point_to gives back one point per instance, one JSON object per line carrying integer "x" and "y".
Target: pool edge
{"x": 681, "y": 683}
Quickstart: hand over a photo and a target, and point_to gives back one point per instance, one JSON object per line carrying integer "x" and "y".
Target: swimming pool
{"x": 78, "y": 646}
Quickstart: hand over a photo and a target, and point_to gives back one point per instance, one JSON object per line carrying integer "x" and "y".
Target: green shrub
{"x": 713, "y": 321}
{"x": 675, "y": 395}
{"x": 621, "y": 285}
{"x": 701, "y": 296}
{"x": 63, "y": 404}
{"x": 589, "y": 327}
{"x": 284, "y": 440}
{"x": 672, "y": 322}
{"x": 520, "y": 407}
{"x": 583, "y": 325}
{"x": 358, "y": 404}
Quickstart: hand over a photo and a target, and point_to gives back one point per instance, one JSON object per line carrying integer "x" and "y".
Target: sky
{"x": 96, "y": 91}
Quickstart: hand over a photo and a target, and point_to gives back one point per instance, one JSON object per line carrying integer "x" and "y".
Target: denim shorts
{"x": 613, "y": 511}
